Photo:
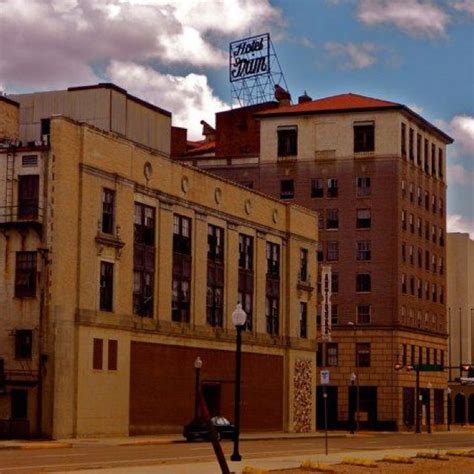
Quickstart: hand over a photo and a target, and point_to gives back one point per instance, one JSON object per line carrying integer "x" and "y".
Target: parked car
{"x": 198, "y": 429}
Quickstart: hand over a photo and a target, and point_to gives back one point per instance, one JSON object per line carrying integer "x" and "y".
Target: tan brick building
{"x": 460, "y": 281}
{"x": 120, "y": 266}
{"x": 375, "y": 172}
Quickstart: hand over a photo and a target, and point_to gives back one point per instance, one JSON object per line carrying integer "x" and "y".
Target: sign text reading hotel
{"x": 249, "y": 57}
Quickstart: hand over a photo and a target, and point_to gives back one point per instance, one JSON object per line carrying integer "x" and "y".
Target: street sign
{"x": 324, "y": 377}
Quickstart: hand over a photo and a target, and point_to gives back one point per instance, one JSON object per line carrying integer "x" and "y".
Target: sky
{"x": 174, "y": 53}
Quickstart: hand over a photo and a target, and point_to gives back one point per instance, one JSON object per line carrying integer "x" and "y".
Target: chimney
{"x": 282, "y": 96}
{"x": 304, "y": 98}
{"x": 208, "y": 131}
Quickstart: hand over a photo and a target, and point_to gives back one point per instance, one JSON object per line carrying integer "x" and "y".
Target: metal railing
{"x": 14, "y": 214}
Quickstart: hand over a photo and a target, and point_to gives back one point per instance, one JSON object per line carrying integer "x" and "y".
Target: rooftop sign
{"x": 249, "y": 57}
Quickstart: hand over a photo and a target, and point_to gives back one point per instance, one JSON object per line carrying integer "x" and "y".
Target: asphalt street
{"x": 94, "y": 455}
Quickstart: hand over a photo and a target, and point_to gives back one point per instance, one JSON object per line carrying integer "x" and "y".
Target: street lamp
{"x": 238, "y": 320}
{"x": 197, "y": 367}
{"x": 355, "y": 378}
{"x": 449, "y": 408}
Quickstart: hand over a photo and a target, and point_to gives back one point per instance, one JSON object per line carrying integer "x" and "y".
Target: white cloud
{"x": 416, "y": 108}
{"x": 353, "y": 55}
{"x": 458, "y": 223}
{"x": 461, "y": 128}
{"x": 420, "y": 18}
{"x": 459, "y": 175}
{"x": 189, "y": 98}
{"x": 466, "y": 6}
{"x": 55, "y": 43}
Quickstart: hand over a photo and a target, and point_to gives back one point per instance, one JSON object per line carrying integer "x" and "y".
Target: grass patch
{"x": 359, "y": 462}
{"x": 254, "y": 470}
{"x": 397, "y": 459}
{"x": 316, "y": 467}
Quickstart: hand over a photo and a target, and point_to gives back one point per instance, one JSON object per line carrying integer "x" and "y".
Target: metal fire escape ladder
{"x": 8, "y": 211}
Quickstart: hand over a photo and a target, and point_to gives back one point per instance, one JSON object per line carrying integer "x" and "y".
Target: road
{"x": 95, "y": 456}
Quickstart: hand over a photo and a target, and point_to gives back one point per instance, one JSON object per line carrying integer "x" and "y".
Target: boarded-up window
{"x": 98, "y": 348}
{"x": 112, "y": 360}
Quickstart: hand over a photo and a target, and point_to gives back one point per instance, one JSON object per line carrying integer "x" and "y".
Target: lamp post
{"x": 449, "y": 408}
{"x": 355, "y": 377}
{"x": 197, "y": 367}
{"x": 238, "y": 319}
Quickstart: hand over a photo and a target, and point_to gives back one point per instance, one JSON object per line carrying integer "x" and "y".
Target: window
{"x": 97, "y": 353}
{"x": 411, "y": 144}
{"x": 106, "y": 286}
{"x": 440, "y": 162}
{"x": 112, "y": 354}
{"x": 363, "y": 186}
{"x": 108, "y": 211}
{"x": 363, "y": 219}
{"x": 418, "y": 149}
{"x": 433, "y": 233}
{"x": 441, "y": 237}
{"x": 404, "y": 220}
{"x": 434, "y": 293}
{"x": 434, "y": 204}
{"x": 317, "y": 188}
{"x": 334, "y": 282}
{"x": 181, "y": 284}
{"x": 404, "y": 253}
{"x": 411, "y": 222}
{"x": 403, "y": 139}
{"x": 334, "y": 314}
{"x": 28, "y": 196}
{"x": 332, "y": 188}
{"x": 287, "y": 141}
{"x": 364, "y": 136}
{"x": 411, "y": 254}
{"x": 404, "y": 284}
{"x": 441, "y": 207}
{"x": 419, "y": 227}
{"x": 433, "y": 159}
{"x": 363, "y": 354}
{"x": 404, "y": 355}
{"x": 420, "y": 355}
{"x": 215, "y": 275}
{"x": 412, "y": 192}
{"x": 23, "y": 343}
{"x": 441, "y": 265}
{"x": 363, "y": 282}
{"x": 427, "y": 158}
{"x": 29, "y": 160}
{"x": 363, "y": 250}
{"x": 419, "y": 196}
{"x": 438, "y": 406}
{"x": 412, "y": 285}
{"x": 332, "y": 354}
{"x": 332, "y": 254}
{"x": 273, "y": 259}
{"x": 25, "y": 274}
{"x": 419, "y": 289}
{"x": 404, "y": 188}
{"x": 303, "y": 320}
{"x": 320, "y": 219}
{"x": 433, "y": 263}
{"x": 427, "y": 230}
{"x": 363, "y": 313}
{"x": 427, "y": 290}
{"x": 273, "y": 288}
{"x": 287, "y": 189}
{"x": 245, "y": 284}
{"x": 332, "y": 222}
{"x": 143, "y": 260}
{"x": 427, "y": 200}
{"x": 303, "y": 276}
{"x": 45, "y": 126}
{"x": 320, "y": 251}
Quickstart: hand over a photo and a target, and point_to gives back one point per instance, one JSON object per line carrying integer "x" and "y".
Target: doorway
{"x": 367, "y": 406}
{"x": 331, "y": 406}
{"x": 212, "y": 395}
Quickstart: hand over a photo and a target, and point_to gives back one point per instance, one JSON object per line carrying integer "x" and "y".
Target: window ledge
{"x": 109, "y": 240}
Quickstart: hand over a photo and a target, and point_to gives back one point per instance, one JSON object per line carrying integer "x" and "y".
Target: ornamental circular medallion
{"x": 185, "y": 184}
{"x": 218, "y": 195}
{"x": 248, "y": 206}
{"x": 147, "y": 170}
{"x": 275, "y": 216}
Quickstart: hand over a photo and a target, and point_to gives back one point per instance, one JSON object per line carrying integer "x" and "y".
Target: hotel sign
{"x": 249, "y": 57}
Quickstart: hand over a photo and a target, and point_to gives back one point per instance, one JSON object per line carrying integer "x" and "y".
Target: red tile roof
{"x": 202, "y": 146}
{"x": 337, "y": 102}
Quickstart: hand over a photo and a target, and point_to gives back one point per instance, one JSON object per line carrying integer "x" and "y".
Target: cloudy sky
{"x": 174, "y": 53}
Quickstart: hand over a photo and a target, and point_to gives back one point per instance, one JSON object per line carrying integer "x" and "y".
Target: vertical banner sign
{"x": 249, "y": 57}
{"x": 326, "y": 302}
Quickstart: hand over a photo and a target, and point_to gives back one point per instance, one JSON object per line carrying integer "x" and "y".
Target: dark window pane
{"x": 25, "y": 274}
{"x": 364, "y": 137}
{"x": 97, "y": 354}
{"x": 288, "y": 142}
{"x": 106, "y": 286}
{"x": 28, "y": 196}
{"x": 112, "y": 354}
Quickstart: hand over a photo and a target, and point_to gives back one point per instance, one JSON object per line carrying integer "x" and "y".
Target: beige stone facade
{"x": 93, "y": 359}
{"x": 9, "y": 119}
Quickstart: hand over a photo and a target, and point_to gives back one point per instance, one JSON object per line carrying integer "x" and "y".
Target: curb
{"x": 37, "y": 445}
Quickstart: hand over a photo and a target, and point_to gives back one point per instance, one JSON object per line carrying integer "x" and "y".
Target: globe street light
{"x": 197, "y": 367}
{"x": 238, "y": 320}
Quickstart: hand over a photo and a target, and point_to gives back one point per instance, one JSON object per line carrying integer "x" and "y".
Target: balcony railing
{"x": 21, "y": 214}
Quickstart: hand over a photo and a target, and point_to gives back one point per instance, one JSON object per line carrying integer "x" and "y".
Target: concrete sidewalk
{"x": 258, "y": 463}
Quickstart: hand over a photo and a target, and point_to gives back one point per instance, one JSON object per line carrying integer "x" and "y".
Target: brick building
{"x": 120, "y": 266}
{"x": 375, "y": 172}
